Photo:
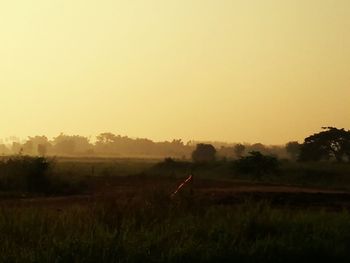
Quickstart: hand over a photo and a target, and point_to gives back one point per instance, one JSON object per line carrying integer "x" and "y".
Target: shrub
{"x": 257, "y": 164}
{"x": 204, "y": 153}
{"x": 24, "y": 173}
{"x": 28, "y": 174}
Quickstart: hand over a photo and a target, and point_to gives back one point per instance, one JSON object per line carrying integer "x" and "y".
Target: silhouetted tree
{"x": 239, "y": 150}
{"x": 106, "y": 144}
{"x": 35, "y": 142}
{"x": 16, "y": 148}
{"x": 110, "y": 144}
{"x": 63, "y": 144}
{"x": 225, "y": 152}
{"x": 293, "y": 149}
{"x": 4, "y": 150}
{"x": 105, "y": 138}
{"x": 28, "y": 147}
{"x": 204, "y": 153}
{"x": 258, "y": 147}
{"x": 332, "y": 143}
{"x": 257, "y": 164}
{"x": 70, "y": 145}
{"x": 42, "y": 149}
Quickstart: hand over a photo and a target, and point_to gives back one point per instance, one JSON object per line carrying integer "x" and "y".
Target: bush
{"x": 204, "y": 153}
{"x": 28, "y": 174}
{"x": 24, "y": 173}
{"x": 257, "y": 164}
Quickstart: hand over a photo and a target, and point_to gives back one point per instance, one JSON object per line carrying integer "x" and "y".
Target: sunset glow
{"x": 230, "y": 70}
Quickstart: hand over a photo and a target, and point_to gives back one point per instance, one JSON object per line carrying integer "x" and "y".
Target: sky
{"x": 267, "y": 71}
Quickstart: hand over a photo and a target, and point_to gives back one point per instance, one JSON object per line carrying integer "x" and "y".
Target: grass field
{"x": 124, "y": 213}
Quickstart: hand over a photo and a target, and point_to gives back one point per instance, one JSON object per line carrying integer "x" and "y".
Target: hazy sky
{"x": 230, "y": 70}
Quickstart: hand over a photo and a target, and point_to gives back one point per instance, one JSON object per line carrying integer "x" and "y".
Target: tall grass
{"x": 157, "y": 230}
{"x": 149, "y": 226}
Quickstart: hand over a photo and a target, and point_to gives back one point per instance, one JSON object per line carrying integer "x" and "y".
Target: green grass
{"x": 157, "y": 230}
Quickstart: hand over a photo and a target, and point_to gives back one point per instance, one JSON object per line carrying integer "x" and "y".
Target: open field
{"x": 125, "y": 213}
{"x": 209, "y": 192}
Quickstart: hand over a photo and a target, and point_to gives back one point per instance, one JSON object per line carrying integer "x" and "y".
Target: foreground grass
{"x": 157, "y": 230}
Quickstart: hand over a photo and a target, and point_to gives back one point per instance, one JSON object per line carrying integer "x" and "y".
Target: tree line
{"x": 329, "y": 144}
{"x": 106, "y": 144}
{"x": 110, "y": 145}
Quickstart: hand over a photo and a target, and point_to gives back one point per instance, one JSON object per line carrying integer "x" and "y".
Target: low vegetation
{"x": 257, "y": 165}
{"x": 162, "y": 231}
{"x": 35, "y": 175}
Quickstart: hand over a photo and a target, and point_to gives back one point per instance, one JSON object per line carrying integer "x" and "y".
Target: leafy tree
{"x": 63, "y": 144}
{"x": 332, "y": 143}
{"x": 4, "y": 150}
{"x": 258, "y": 147}
{"x": 239, "y": 150}
{"x": 70, "y": 145}
{"x": 42, "y": 149}
{"x": 293, "y": 149}
{"x": 105, "y": 138}
{"x": 16, "y": 148}
{"x": 28, "y": 147}
{"x": 36, "y": 145}
{"x": 257, "y": 164}
{"x": 204, "y": 153}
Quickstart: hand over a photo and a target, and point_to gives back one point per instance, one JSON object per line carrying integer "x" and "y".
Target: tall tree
{"x": 332, "y": 143}
{"x": 293, "y": 149}
{"x": 204, "y": 153}
{"x": 239, "y": 150}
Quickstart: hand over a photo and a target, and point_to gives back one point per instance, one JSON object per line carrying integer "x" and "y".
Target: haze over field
{"x": 242, "y": 71}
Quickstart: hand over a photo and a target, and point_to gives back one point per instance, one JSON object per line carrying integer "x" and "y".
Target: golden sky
{"x": 230, "y": 70}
